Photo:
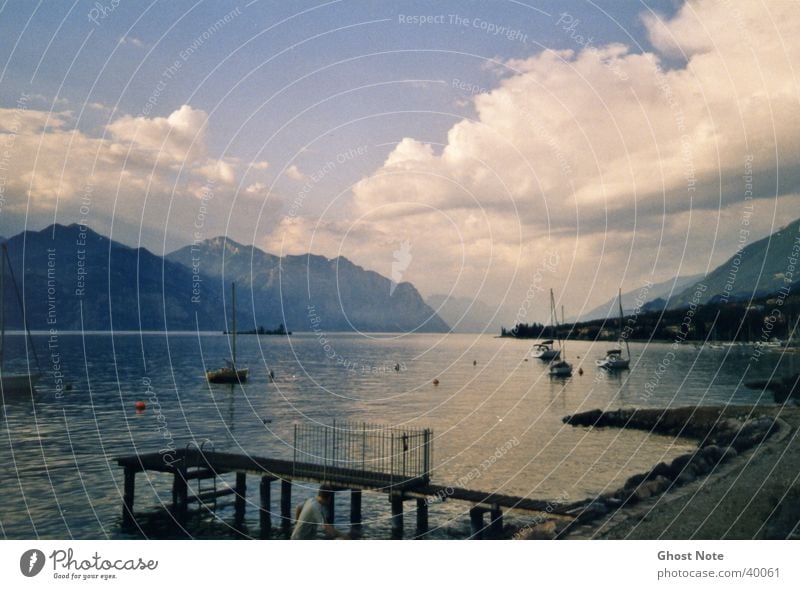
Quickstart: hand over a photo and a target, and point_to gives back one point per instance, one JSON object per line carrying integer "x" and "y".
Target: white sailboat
{"x": 230, "y": 373}
{"x": 11, "y": 383}
{"x": 614, "y": 359}
{"x": 562, "y": 367}
{"x": 545, "y": 351}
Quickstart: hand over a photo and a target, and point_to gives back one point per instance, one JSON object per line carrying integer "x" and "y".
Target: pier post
{"x": 239, "y": 502}
{"x": 127, "y": 498}
{"x": 397, "y": 516}
{"x": 265, "y": 515}
{"x": 496, "y": 521}
{"x": 330, "y": 513}
{"x": 286, "y": 505}
{"x": 476, "y": 523}
{"x": 422, "y": 516}
{"x": 180, "y": 493}
{"x": 355, "y": 509}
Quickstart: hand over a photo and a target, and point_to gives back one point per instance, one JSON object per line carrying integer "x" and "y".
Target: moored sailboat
{"x": 614, "y": 360}
{"x": 230, "y": 373}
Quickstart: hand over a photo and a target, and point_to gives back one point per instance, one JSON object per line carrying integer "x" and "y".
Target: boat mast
{"x": 627, "y": 346}
{"x": 233, "y": 305}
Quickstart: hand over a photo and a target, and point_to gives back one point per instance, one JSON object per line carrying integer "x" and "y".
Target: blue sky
{"x": 263, "y": 103}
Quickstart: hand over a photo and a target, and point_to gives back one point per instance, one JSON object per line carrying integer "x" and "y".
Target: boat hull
{"x": 546, "y": 354}
{"x": 561, "y": 369}
{"x": 228, "y": 376}
{"x": 615, "y": 364}
{"x": 18, "y": 383}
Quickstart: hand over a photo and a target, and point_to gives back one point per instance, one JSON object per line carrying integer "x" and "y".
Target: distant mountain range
{"x": 309, "y": 292}
{"x": 76, "y": 278}
{"x": 757, "y": 270}
{"x": 662, "y": 290}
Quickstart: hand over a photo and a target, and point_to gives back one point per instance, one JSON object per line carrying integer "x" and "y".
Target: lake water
{"x": 60, "y": 478}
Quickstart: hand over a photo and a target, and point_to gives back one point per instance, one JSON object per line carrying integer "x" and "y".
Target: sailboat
{"x": 230, "y": 373}
{"x": 9, "y": 382}
{"x": 614, "y": 359}
{"x": 562, "y": 367}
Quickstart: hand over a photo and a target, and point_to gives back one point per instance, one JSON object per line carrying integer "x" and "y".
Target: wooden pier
{"x": 353, "y": 459}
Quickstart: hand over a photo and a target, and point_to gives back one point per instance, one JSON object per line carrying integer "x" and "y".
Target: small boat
{"x": 11, "y": 383}
{"x": 614, "y": 359}
{"x": 230, "y": 374}
{"x": 545, "y": 351}
{"x": 562, "y": 367}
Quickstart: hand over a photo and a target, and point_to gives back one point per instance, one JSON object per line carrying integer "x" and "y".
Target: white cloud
{"x": 294, "y": 173}
{"x": 260, "y": 165}
{"x": 132, "y": 41}
{"x": 592, "y": 151}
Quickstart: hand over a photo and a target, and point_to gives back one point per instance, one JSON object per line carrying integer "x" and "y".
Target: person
{"x": 310, "y": 517}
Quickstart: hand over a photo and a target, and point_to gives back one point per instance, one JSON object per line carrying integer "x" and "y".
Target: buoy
{"x": 397, "y": 367}
{"x": 140, "y": 405}
{"x": 271, "y": 375}
{"x": 526, "y": 359}
{"x": 580, "y": 370}
{"x": 474, "y": 362}
{"x": 435, "y": 381}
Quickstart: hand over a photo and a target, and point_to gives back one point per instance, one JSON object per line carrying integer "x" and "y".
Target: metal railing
{"x": 372, "y": 453}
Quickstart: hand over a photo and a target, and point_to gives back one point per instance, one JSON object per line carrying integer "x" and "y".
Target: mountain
{"x": 759, "y": 269}
{"x": 466, "y": 315}
{"x": 308, "y": 292}
{"x": 654, "y": 297}
{"x": 74, "y": 278}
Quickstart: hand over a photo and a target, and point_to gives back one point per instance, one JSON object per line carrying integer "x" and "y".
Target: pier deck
{"x": 191, "y": 464}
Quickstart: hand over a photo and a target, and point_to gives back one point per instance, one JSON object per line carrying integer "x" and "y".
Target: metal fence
{"x": 360, "y": 450}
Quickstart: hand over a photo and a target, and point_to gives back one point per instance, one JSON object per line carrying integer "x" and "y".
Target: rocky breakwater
{"x": 722, "y": 434}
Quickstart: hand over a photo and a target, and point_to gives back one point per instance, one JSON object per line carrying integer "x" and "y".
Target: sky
{"x": 486, "y": 150}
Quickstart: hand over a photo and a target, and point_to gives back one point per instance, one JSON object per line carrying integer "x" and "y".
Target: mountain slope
{"x": 74, "y": 278}
{"x": 759, "y": 269}
{"x": 662, "y": 290}
{"x": 309, "y": 292}
{"x": 466, "y": 315}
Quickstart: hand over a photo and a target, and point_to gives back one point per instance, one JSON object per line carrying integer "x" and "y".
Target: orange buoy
{"x": 140, "y": 405}
{"x": 435, "y": 381}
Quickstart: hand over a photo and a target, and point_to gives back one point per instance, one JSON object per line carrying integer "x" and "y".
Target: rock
{"x": 729, "y": 453}
{"x": 699, "y": 465}
{"x": 661, "y": 469}
{"x": 679, "y": 464}
{"x": 586, "y": 418}
{"x": 643, "y": 492}
{"x": 658, "y": 485}
{"x": 687, "y": 476}
{"x": 635, "y": 481}
{"x": 712, "y": 454}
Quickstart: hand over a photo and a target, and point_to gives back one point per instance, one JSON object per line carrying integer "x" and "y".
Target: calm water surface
{"x": 60, "y": 478}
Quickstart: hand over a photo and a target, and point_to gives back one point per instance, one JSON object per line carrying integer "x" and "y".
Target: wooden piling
{"x": 355, "y": 508}
{"x": 422, "y": 516}
{"x": 239, "y": 501}
{"x": 476, "y": 523}
{"x": 265, "y": 515}
{"x": 127, "y": 498}
{"x": 180, "y": 495}
{"x": 286, "y": 505}
{"x": 397, "y": 516}
{"x": 496, "y": 521}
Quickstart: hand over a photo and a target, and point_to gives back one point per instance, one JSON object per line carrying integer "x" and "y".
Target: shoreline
{"x": 742, "y": 482}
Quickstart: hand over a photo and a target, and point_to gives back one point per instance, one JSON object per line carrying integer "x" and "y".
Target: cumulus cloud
{"x": 294, "y": 173}
{"x": 141, "y": 169}
{"x": 607, "y": 145}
